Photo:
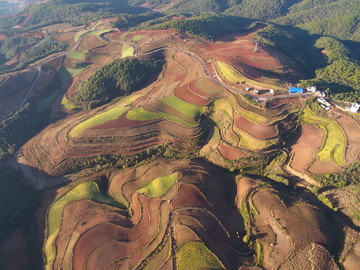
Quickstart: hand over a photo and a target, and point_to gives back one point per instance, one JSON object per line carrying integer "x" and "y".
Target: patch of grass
{"x": 87, "y": 190}
{"x": 334, "y": 146}
{"x": 184, "y": 107}
{"x": 98, "y": 119}
{"x": 259, "y": 253}
{"x": 196, "y": 256}
{"x": 66, "y": 74}
{"x": 76, "y": 55}
{"x": 67, "y": 104}
{"x": 137, "y": 38}
{"x": 140, "y": 114}
{"x": 127, "y": 50}
{"x": 159, "y": 186}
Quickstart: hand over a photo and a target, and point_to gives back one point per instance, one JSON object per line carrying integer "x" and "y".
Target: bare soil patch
{"x": 190, "y": 196}
{"x": 184, "y": 92}
{"x": 319, "y": 166}
{"x": 238, "y": 51}
{"x": 306, "y": 146}
{"x": 352, "y": 130}
{"x": 230, "y": 153}
{"x": 255, "y": 130}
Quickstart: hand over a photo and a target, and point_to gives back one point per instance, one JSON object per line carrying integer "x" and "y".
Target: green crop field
{"x": 184, "y": 107}
{"x": 334, "y": 146}
{"x": 98, "y": 119}
{"x": 76, "y": 55}
{"x": 159, "y": 186}
{"x": 137, "y": 38}
{"x": 196, "y": 256}
{"x": 140, "y": 114}
{"x": 87, "y": 190}
{"x": 127, "y": 50}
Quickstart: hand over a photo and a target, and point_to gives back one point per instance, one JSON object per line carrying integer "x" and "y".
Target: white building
{"x": 311, "y": 89}
{"x": 355, "y": 107}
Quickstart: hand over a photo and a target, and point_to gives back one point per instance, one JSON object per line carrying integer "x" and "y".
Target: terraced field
{"x": 183, "y": 173}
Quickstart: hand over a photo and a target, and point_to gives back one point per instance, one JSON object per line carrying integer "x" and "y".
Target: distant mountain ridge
{"x": 338, "y": 18}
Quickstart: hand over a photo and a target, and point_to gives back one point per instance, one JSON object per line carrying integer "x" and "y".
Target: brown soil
{"x": 230, "y": 153}
{"x": 352, "y": 260}
{"x": 90, "y": 42}
{"x": 238, "y": 50}
{"x": 255, "y": 130}
{"x": 319, "y": 166}
{"x": 276, "y": 103}
{"x": 3, "y": 37}
{"x": 14, "y": 251}
{"x": 243, "y": 187}
{"x": 310, "y": 257}
{"x": 306, "y": 146}
{"x": 190, "y": 196}
{"x": 184, "y": 92}
{"x": 352, "y": 130}
{"x": 294, "y": 226}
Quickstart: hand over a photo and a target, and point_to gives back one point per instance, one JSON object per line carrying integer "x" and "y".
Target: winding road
{"x": 206, "y": 71}
{"x": 138, "y": 53}
{"x": 36, "y": 80}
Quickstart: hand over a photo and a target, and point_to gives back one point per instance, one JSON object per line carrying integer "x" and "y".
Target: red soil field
{"x": 237, "y": 50}
{"x": 14, "y": 251}
{"x": 255, "y": 130}
{"x": 185, "y": 93}
{"x": 3, "y": 37}
{"x": 190, "y": 196}
{"x": 352, "y": 132}
{"x": 230, "y": 153}
{"x": 319, "y": 166}
{"x": 306, "y": 146}
{"x": 243, "y": 187}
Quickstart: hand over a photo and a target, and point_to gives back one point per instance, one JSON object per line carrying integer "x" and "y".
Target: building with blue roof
{"x": 295, "y": 90}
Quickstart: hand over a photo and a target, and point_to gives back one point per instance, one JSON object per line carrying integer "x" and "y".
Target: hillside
{"x": 135, "y": 135}
{"x": 316, "y": 16}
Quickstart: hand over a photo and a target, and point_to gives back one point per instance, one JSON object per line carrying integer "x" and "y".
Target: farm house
{"x": 295, "y": 90}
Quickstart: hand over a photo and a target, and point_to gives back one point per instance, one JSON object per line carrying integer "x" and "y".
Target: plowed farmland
{"x": 190, "y": 170}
